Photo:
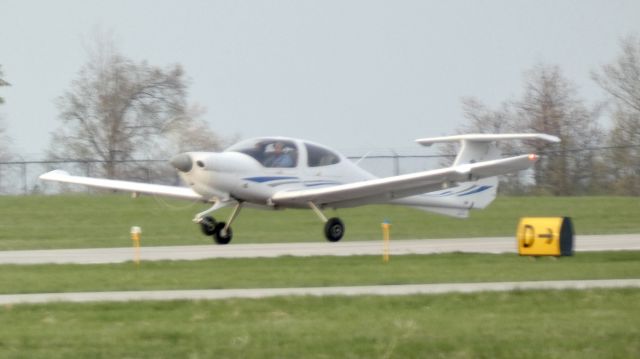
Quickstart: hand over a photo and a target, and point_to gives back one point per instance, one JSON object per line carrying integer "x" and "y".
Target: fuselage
{"x": 249, "y": 171}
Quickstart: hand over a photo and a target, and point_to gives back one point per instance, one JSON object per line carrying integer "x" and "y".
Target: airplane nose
{"x": 182, "y": 162}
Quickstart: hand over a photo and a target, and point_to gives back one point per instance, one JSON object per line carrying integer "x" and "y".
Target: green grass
{"x": 531, "y": 324}
{"x": 517, "y": 324}
{"x": 315, "y": 271}
{"x": 81, "y": 221}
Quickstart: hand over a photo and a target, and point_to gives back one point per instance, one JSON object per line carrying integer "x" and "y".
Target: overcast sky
{"x": 349, "y": 74}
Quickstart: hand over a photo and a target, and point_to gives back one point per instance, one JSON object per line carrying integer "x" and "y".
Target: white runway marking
{"x": 163, "y": 295}
{"x": 344, "y": 248}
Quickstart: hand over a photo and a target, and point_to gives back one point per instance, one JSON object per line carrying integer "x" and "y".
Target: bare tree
{"x": 550, "y": 105}
{"x": 192, "y": 135}
{"x": 4, "y": 139}
{"x": 480, "y": 119}
{"x": 2, "y": 83}
{"x": 621, "y": 81}
{"x": 118, "y": 110}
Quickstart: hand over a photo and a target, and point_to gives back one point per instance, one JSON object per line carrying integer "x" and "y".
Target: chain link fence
{"x": 21, "y": 177}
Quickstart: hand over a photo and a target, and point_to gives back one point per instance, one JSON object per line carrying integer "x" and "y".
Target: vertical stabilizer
{"x": 476, "y": 151}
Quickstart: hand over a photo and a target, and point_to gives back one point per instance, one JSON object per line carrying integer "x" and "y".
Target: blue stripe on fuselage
{"x": 263, "y": 179}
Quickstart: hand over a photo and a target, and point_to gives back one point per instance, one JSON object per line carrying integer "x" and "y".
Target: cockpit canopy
{"x": 318, "y": 156}
{"x": 283, "y": 153}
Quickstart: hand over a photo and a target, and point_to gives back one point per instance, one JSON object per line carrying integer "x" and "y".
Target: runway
{"x": 343, "y": 248}
{"x": 346, "y": 248}
{"x": 385, "y": 290}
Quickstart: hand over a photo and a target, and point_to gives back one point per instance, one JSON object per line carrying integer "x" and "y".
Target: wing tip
{"x": 53, "y": 175}
{"x": 550, "y": 138}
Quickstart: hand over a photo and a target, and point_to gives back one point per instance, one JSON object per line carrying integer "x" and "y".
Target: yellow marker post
{"x": 386, "y": 226}
{"x": 135, "y": 237}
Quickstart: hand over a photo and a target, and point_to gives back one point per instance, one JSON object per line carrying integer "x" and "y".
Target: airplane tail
{"x": 475, "y": 193}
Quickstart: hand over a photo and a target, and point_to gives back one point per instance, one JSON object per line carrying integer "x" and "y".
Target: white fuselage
{"x": 236, "y": 175}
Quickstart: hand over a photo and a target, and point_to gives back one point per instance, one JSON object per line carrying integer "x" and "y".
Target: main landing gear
{"x": 221, "y": 231}
{"x": 333, "y": 227}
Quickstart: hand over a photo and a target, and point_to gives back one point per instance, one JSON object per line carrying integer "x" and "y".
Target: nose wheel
{"x": 217, "y": 230}
{"x": 220, "y": 231}
{"x": 208, "y": 226}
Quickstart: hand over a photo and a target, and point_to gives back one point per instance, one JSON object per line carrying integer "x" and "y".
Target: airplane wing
{"x": 403, "y": 185}
{"x": 135, "y": 187}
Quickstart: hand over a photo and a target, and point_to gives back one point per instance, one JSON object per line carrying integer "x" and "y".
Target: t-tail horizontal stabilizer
{"x": 480, "y": 147}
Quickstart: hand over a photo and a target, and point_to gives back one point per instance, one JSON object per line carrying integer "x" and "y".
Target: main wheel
{"x": 222, "y": 238}
{"x": 208, "y": 226}
{"x": 334, "y": 229}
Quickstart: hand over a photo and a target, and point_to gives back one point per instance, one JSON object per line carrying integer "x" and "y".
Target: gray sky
{"x": 349, "y": 74}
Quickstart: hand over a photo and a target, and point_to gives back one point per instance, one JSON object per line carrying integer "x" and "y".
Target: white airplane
{"x": 278, "y": 172}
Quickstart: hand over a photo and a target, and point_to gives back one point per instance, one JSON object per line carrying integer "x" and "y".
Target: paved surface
{"x": 344, "y": 248}
{"x": 315, "y": 291}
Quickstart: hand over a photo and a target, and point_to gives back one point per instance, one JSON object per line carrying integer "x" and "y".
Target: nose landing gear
{"x": 208, "y": 225}
{"x": 217, "y": 230}
{"x": 220, "y": 231}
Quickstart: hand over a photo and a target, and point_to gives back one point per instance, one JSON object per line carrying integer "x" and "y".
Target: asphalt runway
{"x": 343, "y": 248}
{"x": 346, "y": 248}
{"x": 216, "y": 294}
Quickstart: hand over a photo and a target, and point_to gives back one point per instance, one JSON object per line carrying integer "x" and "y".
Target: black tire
{"x": 208, "y": 226}
{"x": 334, "y": 229}
{"x": 219, "y": 237}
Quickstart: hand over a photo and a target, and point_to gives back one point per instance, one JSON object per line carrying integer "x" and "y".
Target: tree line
{"x": 117, "y": 110}
{"x": 4, "y": 139}
{"x": 590, "y": 159}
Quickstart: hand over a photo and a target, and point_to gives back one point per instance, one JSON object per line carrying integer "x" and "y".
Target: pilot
{"x": 279, "y": 157}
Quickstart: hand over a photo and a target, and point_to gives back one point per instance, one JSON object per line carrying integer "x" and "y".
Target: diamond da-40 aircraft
{"x": 280, "y": 172}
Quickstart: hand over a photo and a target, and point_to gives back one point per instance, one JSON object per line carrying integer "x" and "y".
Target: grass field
{"x": 532, "y": 324}
{"x": 81, "y": 221}
{"x": 518, "y": 324}
{"x": 315, "y": 272}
